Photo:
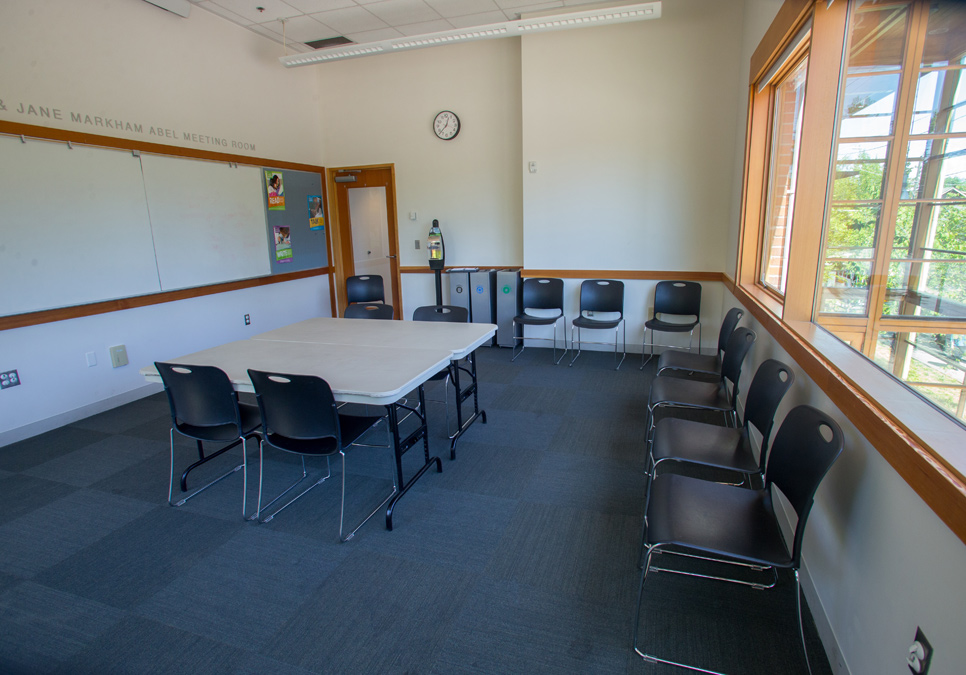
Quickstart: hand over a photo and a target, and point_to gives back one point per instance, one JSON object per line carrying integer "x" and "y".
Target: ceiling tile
{"x": 273, "y": 9}
{"x": 312, "y": 6}
{"x": 483, "y": 19}
{"x": 524, "y": 6}
{"x": 302, "y": 29}
{"x": 401, "y": 12}
{"x": 448, "y": 8}
{"x": 425, "y": 27}
{"x": 375, "y": 35}
{"x": 224, "y": 13}
{"x": 350, "y": 20}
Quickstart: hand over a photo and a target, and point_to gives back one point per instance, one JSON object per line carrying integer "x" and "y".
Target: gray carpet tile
{"x": 49, "y": 534}
{"x": 139, "y": 646}
{"x": 584, "y": 553}
{"x": 245, "y": 589}
{"x": 96, "y": 461}
{"x": 499, "y": 471}
{"x": 514, "y": 428}
{"x": 682, "y": 619}
{"x": 560, "y": 633}
{"x": 8, "y": 580}
{"x": 533, "y": 399}
{"x": 42, "y": 628}
{"x": 455, "y": 529}
{"x": 135, "y": 561}
{"x": 374, "y": 614}
{"x": 607, "y": 405}
{"x": 147, "y": 480}
{"x": 600, "y": 438}
{"x": 20, "y": 494}
{"x": 45, "y": 447}
{"x": 591, "y": 483}
{"x": 134, "y": 414}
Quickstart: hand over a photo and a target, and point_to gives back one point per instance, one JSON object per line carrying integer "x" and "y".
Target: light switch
{"x": 533, "y": 167}
{"x": 412, "y": 215}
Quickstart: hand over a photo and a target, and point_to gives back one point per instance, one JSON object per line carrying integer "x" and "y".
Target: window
{"x": 786, "y": 138}
{"x": 893, "y": 271}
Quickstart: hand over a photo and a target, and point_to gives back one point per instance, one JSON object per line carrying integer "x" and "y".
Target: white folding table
{"x": 368, "y": 362}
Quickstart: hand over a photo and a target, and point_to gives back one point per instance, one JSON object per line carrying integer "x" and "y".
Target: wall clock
{"x": 446, "y": 125}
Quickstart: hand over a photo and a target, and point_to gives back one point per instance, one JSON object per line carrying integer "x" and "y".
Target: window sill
{"x": 922, "y": 444}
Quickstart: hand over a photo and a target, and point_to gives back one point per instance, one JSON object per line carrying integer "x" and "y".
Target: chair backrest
{"x": 728, "y": 326}
{"x": 446, "y": 313}
{"x": 805, "y": 447}
{"x": 296, "y": 408}
{"x": 543, "y": 293}
{"x": 368, "y": 311}
{"x": 199, "y": 396}
{"x": 771, "y": 382}
{"x": 678, "y": 297}
{"x": 739, "y": 344}
{"x": 602, "y": 295}
{"x": 365, "y": 288}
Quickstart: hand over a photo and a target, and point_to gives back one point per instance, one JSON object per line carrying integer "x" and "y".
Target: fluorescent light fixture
{"x": 562, "y": 20}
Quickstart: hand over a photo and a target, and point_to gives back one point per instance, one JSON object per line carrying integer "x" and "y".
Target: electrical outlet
{"x": 118, "y": 356}
{"x": 920, "y": 654}
{"x": 248, "y": 319}
{"x": 91, "y": 359}
{"x": 9, "y": 379}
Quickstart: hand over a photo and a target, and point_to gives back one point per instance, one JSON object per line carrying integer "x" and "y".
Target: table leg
{"x": 462, "y": 395}
{"x": 402, "y": 445}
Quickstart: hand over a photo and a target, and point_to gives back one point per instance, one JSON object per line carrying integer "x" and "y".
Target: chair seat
{"x": 530, "y": 320}
{"x": 675, "y": 359}
{"x": 223, "y": 433}
{"x": 706, "y": 444}
{"x": 689, "y": 393}
{"x": 720, "y": 520}
{"x": 587, "y": 322}
{"x": 670, "y": 327}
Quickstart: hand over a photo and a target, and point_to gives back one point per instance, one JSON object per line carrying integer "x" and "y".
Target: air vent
{"x": 330, "y": 42}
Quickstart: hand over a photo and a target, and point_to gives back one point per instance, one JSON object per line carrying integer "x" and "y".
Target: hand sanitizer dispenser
{"x": 434, "y": 245}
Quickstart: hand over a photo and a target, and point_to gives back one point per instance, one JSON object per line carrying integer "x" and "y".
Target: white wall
{"x": 632, "y": 129}
{"x": 128, "y": 61}
{"x": 380, "y": 110}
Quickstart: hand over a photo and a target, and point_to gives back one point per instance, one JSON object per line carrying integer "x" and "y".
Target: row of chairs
{"x": 294, "y": 413}
{"x": 710, "y": 491}
{"x": 602, "y": 308}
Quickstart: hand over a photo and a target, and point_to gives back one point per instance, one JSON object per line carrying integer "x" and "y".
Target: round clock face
{"x": 446, "y": 125}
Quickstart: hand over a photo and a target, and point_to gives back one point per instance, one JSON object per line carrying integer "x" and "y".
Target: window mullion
{"x": 895, "y": 169}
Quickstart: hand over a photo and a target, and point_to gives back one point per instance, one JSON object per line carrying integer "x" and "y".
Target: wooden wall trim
{"x": 821, "y": 357}
{"x": 644, "y": 275}
{"x": 91, "y": 309}
{"x": 62, "y": 135}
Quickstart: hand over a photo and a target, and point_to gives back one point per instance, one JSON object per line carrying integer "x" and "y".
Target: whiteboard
{"x": 208, "y": 220}
{"x": 74, "y": 226}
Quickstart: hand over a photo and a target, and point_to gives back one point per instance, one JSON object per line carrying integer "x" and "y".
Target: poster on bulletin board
{"x": 276, "y": 190}
{"x": 283, "y": 244}
{"x": 316, "y": 216}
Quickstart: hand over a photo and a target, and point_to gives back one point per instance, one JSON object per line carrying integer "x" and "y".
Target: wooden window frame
{"x": 919, "y": 441}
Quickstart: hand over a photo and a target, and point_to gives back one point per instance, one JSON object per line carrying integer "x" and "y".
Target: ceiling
{"x": 297, "y": 22}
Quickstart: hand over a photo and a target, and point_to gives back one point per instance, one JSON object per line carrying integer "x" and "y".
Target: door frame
{"x": 343, "y": 260}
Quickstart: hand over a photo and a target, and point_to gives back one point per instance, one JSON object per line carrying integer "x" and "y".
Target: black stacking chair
{"x": 681, "y": 444}
{"x": 669, "y": 393}
{"x": 364, "y": 288}
{"x": 673, "y": 298}
{"x": 299, "y": 416}
{"x": 368, "y": 311}
{"x": 205, "y": 407}
{"x": 600, "y": 296}
{"x": 701, "y": 365}
{"x": 545, "y": 295}
{"x": 450, "y": 314}
{"x": 736, "y": 526}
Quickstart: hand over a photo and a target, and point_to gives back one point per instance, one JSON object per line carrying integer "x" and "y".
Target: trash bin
{"x": 508, "y": 293}
{"x": 482, "y": 287}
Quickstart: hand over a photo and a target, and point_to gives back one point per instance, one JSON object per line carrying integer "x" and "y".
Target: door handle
{"x": 391, "y": 256}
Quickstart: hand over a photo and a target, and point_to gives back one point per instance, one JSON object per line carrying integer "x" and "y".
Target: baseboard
{"x": 834, "y": 653}
{"x": 51, "y": 423}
